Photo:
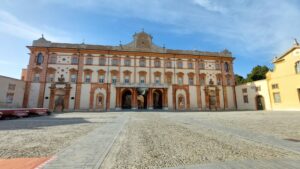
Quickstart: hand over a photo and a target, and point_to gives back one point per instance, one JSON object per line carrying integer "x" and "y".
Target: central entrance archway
{"x": 142, "y": 98}
{"x": 126, "y": 99}
{"x": 157, "y": 99}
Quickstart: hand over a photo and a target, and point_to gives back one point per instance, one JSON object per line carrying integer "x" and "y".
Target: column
{"x": 67, "y": 97}
{"x": 108, "y": 98}
{"x": 52, "y": 97}
{"x": 206, "y": 91}
{"x": 165, "y": 99}
{"x": 134, "y": 99}
{"x": 79, "y": 82}
{"x": 218, "y": 98}
{"x": 91, "y": 102}
{"x": 118, "y": 98}
{"x": 150, "y": 99}
{"x": 188, "y": 105}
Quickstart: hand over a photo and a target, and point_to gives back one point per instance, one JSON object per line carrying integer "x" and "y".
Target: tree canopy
{"x": 257, "y": 73}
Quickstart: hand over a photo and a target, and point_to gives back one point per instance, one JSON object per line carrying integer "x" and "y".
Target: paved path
{"x": 246, "y": 135}
{"x": 242, "y": 133}
{"x": 248, "y": 164}
{"x": 89, "y": 151}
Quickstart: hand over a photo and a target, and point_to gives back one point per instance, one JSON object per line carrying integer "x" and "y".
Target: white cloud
{"x": 10, "y": 24}
{"x": 250, "y": 26}
{"x": 210, "y": 5}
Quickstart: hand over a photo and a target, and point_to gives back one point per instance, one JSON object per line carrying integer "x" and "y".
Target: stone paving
{"x": 89, "y": 151}
{"x": 248, "y": 164}
{"x": 245, "y": 134}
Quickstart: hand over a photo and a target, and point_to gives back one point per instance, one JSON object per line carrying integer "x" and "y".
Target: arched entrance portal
{"x": 142, "y": 98}
{"x": 260, "y": 102}
{"x": 126, "y": 99}
{"x": 212, "y": 99}
{"x": 157, "y": 99}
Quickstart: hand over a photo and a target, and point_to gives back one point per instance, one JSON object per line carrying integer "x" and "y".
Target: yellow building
{"x": 284, "y": 80}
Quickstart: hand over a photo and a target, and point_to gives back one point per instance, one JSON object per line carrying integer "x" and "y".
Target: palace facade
{"x": 138, "y": 75}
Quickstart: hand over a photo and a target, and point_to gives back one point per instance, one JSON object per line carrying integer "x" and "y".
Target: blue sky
{"x": 255, "y": 31}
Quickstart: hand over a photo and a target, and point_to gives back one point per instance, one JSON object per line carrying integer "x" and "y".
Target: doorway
{"x": 157, "y": 99}
{"x": 142, "y": 98}
{"x": 260, "y": 102}
{"x": 126, "y": 99}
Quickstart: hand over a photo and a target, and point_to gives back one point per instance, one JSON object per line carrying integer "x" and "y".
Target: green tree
{"x": 257, "y": 73}
{"x": 239, "y": 79}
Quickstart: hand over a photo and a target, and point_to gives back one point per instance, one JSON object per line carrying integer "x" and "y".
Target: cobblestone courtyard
{"x": 157, "y": 139}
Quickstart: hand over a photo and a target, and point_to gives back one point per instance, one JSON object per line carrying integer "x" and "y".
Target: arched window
{"x": 297, "y": 67}
{"x": 39, "y": 59}
{"x": 226, "y": 67}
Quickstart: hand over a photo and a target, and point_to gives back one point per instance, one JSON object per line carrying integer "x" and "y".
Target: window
{"x": 180, "y": 80}
{"x": 275, "y": 86}
{"x": 244, "y": 90}
{"x": 297, "y": 67}
{"x": 142, "y": 80}
{"x": 169, "y": 80}
{"x": 157, "y": 63}
{"x": 190, "y": 65}
{"x": 9, "y": 97}
{"x": 191, "y": 81}
{"x": 89, "y": 61}
{"x": 142, "y": 62}
{"x": 50, "y": 78}
{"x": 126, "y": 80}
{"x": 39, "y": 59}
{"x": 226, "y": 67}
{"x": 298, "y": 93}
{"x": 36, "y": 77}
{"x": 179, "y": 64}
{"x": 101, "y": 79}
{"x": 258, "y": 88}
{"x": 245, "y": 97}
{"x": 11, "y": 86}
{"x": 217, "y": 66}
{"x": 115, "y": 61}
{"x": 157, "y": 79}
{"x": 127, "y": 62}
{"x": 168, "y": 64}
{"x": 114, "y": 80}
{"x": 201, "y": 65}
{"x": 102, "y": 61}
{"x": 73, "y": 78}
{"x": 276, "y": 97}
{"x": 87, "y": 78}
{"x": 202, "y": 81}
{"x": 52, "y": 59}
{"x": 74, "y": 60}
